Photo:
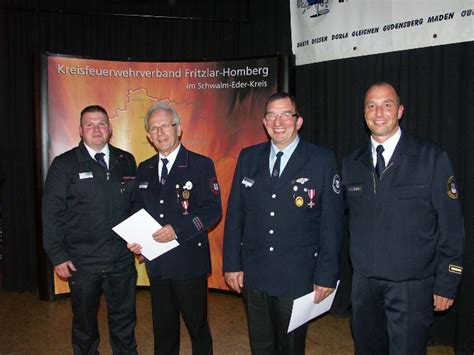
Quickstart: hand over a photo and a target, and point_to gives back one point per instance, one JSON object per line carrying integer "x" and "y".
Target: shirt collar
{"x": 288, "y": 150}
{"x": 104, "y": 150}
{"x": 171, "y": 157}
{"x": 389, "y": 146}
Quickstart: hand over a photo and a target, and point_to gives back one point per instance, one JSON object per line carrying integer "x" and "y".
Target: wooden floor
{"x": 31, "y": 326}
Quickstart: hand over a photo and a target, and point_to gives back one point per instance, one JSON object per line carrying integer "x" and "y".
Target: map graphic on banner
{"x": 323, "y": 30}
{"x": 220, "y": 103}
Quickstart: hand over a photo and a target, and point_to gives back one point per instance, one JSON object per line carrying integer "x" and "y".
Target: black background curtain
{"x": 436, "y": 85}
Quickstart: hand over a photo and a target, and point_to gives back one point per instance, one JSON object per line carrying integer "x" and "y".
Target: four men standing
{"x": 282, "y": 237}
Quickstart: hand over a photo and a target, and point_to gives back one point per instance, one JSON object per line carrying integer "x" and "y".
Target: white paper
{"x": 304, "y": 309}
{"x": 138, "y": 228}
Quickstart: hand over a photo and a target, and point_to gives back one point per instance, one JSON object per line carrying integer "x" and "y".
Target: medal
{"x": 185, "y": 204}
{"x": 311, "y": 195}
{"x": 299, "y": 201}
{"x": 185, "y": 194}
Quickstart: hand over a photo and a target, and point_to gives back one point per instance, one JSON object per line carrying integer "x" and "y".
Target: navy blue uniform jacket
{"x": 408, "y": 225}
{"x": 81, "y": 204}
{"x": 282, "y": 244}
{"x": 191, "y": 258}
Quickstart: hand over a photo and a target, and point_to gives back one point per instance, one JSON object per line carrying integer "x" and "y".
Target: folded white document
{"x": 304, "y": 309}
{"x": 138, "y": 228}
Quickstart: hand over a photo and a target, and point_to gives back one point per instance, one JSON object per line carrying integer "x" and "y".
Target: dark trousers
{"x": 391, "y": 317}
{"x": 168, "y": 298}
{"x": 119, "y": 291}
{"x": 268, "y": 320}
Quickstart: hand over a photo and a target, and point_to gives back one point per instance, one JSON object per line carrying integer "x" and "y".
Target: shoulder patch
{"x": 451, "y": 187}
{"x": 214, "y": 185}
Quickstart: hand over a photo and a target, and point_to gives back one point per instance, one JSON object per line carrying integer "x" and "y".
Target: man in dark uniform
{"x": 87, "y": 192}
{"x": 180, "y": 190}
{"x": 406, "y": 231}
{"x": 283, "y": 229}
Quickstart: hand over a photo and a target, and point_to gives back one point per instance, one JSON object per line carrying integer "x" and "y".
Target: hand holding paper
{"x": 139, "y": 228}
{"x": 304, "y": 308}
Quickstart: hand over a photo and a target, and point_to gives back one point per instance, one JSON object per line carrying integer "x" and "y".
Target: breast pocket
{"x": 410, "y": 192}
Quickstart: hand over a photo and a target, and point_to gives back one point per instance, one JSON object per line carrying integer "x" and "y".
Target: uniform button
{"x": 272, "y": 213}
{"x": 242, "y": 244}
{"x": 315, "y": 254}
{"x": 271, "y": 249}
{"x": 274, "y": 196}
{"x": 271, "y": 231}
{"x": 199, "y": 244}
{"x": 162, "y": 202}
{"x": 161, "y": 215}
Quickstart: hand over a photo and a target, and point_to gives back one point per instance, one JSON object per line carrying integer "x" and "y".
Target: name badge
{"x": 143, "y": 185}
{"x": 86, "y": 175}
{"x": 247, "y": 182}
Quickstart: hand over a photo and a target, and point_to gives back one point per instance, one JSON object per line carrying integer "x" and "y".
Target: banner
{"x": 323, "y": 30}
{"x": 220, "y": 103}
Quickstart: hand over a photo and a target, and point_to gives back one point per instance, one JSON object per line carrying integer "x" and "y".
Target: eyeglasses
{"x": 164, "y": 128}
{"x": 284, "y": 116}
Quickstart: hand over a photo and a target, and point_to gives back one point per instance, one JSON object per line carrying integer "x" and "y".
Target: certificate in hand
{"x": 138, "y": 228}
{"x": 304, "y": 309}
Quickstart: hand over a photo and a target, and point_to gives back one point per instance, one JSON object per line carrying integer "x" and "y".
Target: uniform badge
{"x": 302, "y": 180}
{"x": 455, "y": 269}
{"x": 452, "y": 190}
{"x": 311, "y": 195}
{"x": 188, "y": 185}
{"x": 86, "y": 175}
{"x": 143, "y": 185}
{"x": 299, "y": 201}
{"x": 336, "y": 184}
{"x": 186, "y": 194}
{"x": 247, "y": 182}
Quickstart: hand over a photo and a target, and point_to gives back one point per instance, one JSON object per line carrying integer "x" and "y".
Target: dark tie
{"x": 164, "y": 170}
{"x": 276, "y": 167}
{"x": 99, "y": 157}
{"x": 380, "y": 166}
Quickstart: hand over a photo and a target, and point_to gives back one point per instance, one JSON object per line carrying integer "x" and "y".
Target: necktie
{"x": 380, "y": 166}
{"x": 276, "y": 166}
{"x": 164, "y": 170}
{"x": 99, "y": 157}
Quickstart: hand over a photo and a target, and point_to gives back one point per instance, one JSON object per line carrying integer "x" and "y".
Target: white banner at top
{"x": 323, "y": 30}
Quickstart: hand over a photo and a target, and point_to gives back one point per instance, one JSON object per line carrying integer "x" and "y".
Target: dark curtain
{"x": 436, "y": 85}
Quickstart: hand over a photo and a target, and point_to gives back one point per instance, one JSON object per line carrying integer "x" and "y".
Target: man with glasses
{"x": 283, "y": 229}
{"x": 179, "y": 189}
{"x": 87, "y": 192}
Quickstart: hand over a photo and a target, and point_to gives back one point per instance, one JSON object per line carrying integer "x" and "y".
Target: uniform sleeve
{"x": 54, "y": 213}
{"x": 450, "y": 246}
{"x": 234, "y": 224}
{"x": 327, "y": 266}
{"x": 207, "y": 209}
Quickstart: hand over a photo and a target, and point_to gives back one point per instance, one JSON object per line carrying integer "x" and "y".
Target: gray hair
{"x": 161, "y": 105}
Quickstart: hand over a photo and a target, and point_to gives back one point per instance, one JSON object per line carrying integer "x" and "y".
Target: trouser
{"x": 391, "y": 317}
{"x": 119, "y": 291}
{"x": 168, "y": 298}
{"x": 268, "y": 320}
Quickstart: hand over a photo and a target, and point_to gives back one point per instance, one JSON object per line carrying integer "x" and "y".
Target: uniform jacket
{"x": 81, "y": 204}
{"x": 281, "y": 241}
{"x": 408, "y": 225}
{"x": 193, "y": 179}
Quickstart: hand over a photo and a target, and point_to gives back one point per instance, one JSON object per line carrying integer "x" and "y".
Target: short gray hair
{"x": 161, "y": 105}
